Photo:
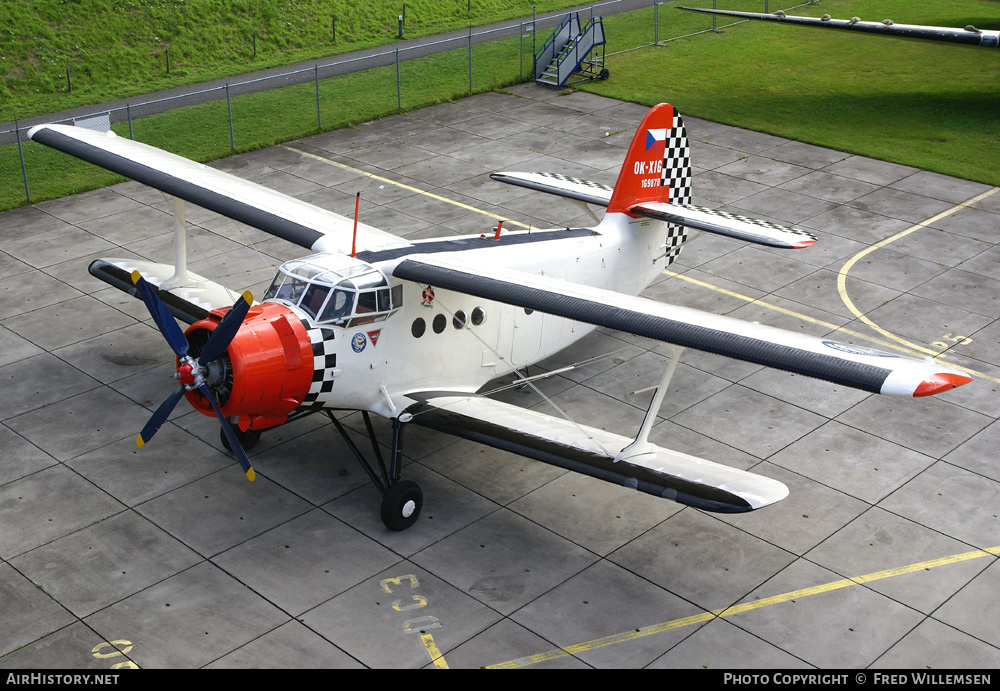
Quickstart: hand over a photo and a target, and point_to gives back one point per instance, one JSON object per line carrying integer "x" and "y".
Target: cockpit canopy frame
{"x": 335, "y": 289}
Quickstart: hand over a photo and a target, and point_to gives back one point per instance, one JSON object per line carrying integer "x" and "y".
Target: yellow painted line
{"x": 842, "y": 275}
{"x": 436, "y": 657}
{"x": 406, "y": 187}
{"x": 745, "y": 607}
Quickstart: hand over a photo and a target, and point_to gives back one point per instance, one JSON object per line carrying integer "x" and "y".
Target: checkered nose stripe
{"x": 324, "y": 360}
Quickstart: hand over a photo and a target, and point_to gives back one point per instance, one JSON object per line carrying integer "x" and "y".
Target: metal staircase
{"x": 572, "y": 53}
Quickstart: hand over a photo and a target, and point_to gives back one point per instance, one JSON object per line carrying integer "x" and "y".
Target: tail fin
{"x": 658, "y": 165}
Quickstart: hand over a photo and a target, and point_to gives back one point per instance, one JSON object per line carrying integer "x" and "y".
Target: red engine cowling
{"x": 267, "y": 369}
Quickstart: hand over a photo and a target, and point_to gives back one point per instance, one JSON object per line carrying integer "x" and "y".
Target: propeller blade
{"x": 159, "y": 417}
{"x": 226, "y": 330}
{"x": 161, "y": 315}
{"x": 234, "y": 443}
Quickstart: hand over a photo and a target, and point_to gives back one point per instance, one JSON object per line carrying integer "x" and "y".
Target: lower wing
{"x": 590, "y": 451}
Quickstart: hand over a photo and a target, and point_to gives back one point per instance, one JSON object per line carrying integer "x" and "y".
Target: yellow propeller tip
{"x": 139, "y": 442}
{"x": 136, "y": 276}
{"x": 248, "y": 296}
{"x": 251, "y": 475}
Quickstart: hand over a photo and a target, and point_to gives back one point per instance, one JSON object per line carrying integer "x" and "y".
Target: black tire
{"x": 401, "y": 505}
{"x": 247, "y": 439}
{"x": 604, "y": 74}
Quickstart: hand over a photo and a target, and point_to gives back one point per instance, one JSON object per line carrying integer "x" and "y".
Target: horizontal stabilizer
{"x": 560, "y": 185}
{"x": 188, "y": 300}
{"x": 590, "y": 451}
{"x": 723, "y": 223}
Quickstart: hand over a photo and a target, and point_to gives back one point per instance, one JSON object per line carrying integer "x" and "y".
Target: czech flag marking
{"x": 656, "y": 140}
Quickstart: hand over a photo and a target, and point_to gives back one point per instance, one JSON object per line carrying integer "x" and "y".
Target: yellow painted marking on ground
{"x": 842, "y": 276}
{"x": 406, "y": 187}
{"x": 436, "y": 657}
{"x": 746, "y": 607}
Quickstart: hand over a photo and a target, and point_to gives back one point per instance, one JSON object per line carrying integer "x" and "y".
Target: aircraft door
{"x": 520, "y": 335}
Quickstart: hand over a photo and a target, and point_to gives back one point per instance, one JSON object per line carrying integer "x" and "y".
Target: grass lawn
{"x": 925, "y": 104}
{"x": 918, "y": 103}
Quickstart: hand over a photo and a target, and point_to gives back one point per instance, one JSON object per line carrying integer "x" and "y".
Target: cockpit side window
{"x": 291, "y": 290}
{"x": 339, "y": 306}
{"x": 315, "y": 296}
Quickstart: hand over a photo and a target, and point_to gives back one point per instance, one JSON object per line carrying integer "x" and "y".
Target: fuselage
{"x": 442, "y": 340}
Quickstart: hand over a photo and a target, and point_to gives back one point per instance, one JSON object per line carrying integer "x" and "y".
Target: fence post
{"x": 714, "y": 16}
{"x": 399, "y": 96}
{"x": 319, "y": 119}
{"x": 520, "y": 53}
{"x": 656, "y": 22}
{"x": 128, "y": 114}
{"x": 229, "y": 107}
{"x": 24, "y": 171}
{"x": 470, "y": 58}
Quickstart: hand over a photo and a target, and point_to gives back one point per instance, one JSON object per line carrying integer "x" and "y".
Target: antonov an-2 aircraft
{"x": 413, "y": 330}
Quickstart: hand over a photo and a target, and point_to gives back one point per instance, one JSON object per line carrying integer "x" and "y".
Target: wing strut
{"x": 641, "y": 445}
{"x": 180, "y": 277}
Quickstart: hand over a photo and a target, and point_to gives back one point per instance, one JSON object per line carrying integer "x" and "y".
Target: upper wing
{"x": 294, "y": 220}
{"x": 658, "y": 471}
{"x": 861, "y": 368}
{"x": 969, "y": 35}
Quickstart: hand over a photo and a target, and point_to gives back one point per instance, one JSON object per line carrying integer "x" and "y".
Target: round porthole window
{"x": 458, "y": 321}
{"x": 440, "y": 321}
{"x": 478, "y": 316}
{"x": 418, "y": 328}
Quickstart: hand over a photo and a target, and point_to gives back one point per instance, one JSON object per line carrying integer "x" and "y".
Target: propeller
{"x": 191, "y": 372}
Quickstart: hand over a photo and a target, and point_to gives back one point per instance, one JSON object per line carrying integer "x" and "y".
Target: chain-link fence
{"x": 212, "y": 123}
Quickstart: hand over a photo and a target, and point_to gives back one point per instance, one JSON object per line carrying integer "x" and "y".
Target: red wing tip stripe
{"x": 943, "y": 381}
{"x": 803, "y": 243}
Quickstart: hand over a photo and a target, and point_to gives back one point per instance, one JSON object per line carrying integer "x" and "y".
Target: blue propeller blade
{"x": 159, "y": 417}
{"x": 226, "y": 330}
{"x": 234, "y": 443}
{"x": 161, "y": 315}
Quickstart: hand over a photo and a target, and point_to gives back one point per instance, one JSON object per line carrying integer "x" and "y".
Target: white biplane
{"x": 413, "y": 330}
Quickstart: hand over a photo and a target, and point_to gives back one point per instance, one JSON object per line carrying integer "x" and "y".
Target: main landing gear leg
{"x": 401, "y": 499}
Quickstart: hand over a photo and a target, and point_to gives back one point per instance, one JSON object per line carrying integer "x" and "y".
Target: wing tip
{"x": 942, "y": 381}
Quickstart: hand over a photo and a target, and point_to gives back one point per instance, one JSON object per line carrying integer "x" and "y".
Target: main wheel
{"x": 247, "y": 439}
{"x": 401, "y": 505}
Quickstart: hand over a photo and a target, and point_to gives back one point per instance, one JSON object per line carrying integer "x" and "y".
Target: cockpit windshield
{"x": 335, "y": 289}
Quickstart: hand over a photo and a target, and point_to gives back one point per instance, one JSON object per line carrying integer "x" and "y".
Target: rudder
{"x": 657, "y": 168}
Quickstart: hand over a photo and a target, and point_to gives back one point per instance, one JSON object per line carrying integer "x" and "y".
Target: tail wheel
{"x": 401, "y": 505}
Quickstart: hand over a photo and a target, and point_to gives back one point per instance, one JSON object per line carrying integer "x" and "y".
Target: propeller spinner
{"x": 193, "y": 373}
